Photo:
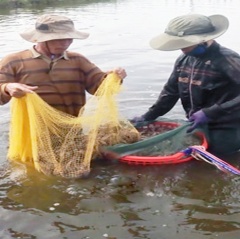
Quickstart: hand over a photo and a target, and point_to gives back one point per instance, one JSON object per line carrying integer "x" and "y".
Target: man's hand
{"x": 137, "y": 119}
{"x": 120, "y": 72}
{"x": 197, "y": 118}
{"x": 19, "y": 90}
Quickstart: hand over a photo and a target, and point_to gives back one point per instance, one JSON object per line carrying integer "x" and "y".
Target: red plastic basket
{"x": 178, "y": 157}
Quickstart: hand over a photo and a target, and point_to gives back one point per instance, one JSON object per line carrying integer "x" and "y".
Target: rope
{"x": 199, "y": 153}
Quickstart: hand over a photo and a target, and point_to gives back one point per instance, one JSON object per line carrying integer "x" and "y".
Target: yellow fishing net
{"x": 60, "y": 144}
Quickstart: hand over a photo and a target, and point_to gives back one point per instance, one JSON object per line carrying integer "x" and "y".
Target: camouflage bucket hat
{"x": 52, "y": 27}
{"x": 189, "y": 30}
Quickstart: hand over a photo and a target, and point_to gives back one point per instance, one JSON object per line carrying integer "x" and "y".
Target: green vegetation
{"x": 22, "y": 3}
{"x": 10, "y": 4}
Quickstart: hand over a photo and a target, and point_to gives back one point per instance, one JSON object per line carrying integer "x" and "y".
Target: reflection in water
{"x": 208, "y": 209}
{"x": 138, "y": 199}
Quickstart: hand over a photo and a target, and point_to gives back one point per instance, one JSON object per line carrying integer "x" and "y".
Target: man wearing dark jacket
{"x": 206, "y": 78}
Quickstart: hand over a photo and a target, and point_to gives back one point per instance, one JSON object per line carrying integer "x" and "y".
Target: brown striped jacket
{"x": 62, "y": 83}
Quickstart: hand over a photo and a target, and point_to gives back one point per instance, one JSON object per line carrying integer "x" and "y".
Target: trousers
{"x": 224, "y": 139}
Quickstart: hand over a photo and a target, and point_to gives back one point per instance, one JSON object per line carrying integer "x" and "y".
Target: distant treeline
{"x": 22, "y": 3}
{"x": 29, "y": 3}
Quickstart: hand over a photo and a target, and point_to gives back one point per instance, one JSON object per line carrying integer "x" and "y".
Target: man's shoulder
{"x": 225, "y": 51}
{"x": 17, "y": 55}
{"x": 76, "y": 56}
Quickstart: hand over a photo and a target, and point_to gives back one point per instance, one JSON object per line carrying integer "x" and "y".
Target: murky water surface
{"x": 120, "y": 201}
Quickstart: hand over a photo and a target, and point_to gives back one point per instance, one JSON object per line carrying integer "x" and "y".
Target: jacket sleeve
{"x": 93, "y": 74}
{"x": 230, "y": 67}
{"x": 167, "y": 98}
{"x": 6, "y": 76}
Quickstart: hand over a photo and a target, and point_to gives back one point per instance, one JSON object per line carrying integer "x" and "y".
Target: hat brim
{"x": 35, "y": 36}
{"x": 166, "y": 42}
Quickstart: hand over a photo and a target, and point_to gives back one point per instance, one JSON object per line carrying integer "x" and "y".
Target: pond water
{"x": 120, "y": 201}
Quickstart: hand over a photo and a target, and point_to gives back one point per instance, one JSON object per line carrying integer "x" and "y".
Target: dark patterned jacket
{"x": 210, "y": 82}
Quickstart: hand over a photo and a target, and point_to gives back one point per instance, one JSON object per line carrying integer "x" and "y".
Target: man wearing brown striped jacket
{"x": 59, "y": 77}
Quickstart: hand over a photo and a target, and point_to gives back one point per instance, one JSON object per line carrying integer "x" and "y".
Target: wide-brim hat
{"x": 52, "y": 27}
{"x": 188, "y": 30}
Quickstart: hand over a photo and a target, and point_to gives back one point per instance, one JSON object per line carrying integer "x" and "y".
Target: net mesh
{"x": 161, "y": 142}
{"x": 60, "y": 144}
{"x": 170, "y": 145}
